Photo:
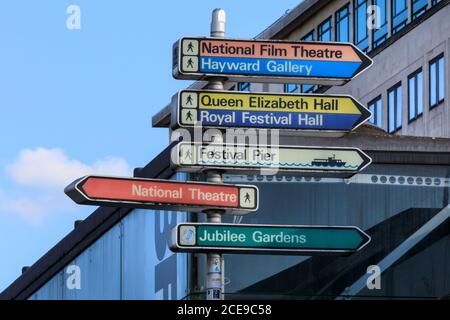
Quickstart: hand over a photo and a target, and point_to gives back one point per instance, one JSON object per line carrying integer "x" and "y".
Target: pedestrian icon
{"x": 189, "y": 116}
{"x": 189, "y": 100}
{"x": 190, "y": 63}
{"x": 188, "y": 155}
{"x": 190, "y": 47}
{"x": 247, "y": 198}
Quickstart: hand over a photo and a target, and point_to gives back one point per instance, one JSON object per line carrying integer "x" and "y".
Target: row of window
{"x": 342, "y": 25}
{"x": 399, "y": 19}
{"x": 378, "y": 14}
{"x": 415, "y": 96}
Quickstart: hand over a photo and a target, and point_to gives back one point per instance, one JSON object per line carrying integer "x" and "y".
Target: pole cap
{"x": 218, "y": 23}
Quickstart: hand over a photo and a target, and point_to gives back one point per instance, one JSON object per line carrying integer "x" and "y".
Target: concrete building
{"x": 401, "y": 200}
{"x": 406, "y": 89}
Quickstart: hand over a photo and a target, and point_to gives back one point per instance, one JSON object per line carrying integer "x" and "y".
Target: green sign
{"x": 269, "y": 239}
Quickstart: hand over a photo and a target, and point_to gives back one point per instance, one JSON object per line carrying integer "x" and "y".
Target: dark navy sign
{"x": 224, "y": 109}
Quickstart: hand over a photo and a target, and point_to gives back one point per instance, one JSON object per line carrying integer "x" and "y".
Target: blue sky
{"x": 74, "y": 102}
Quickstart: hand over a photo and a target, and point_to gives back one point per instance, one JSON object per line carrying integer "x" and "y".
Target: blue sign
{"x": 228, "y": 109}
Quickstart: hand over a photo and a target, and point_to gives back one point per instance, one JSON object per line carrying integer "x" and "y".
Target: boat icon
{"x": 329, "y": 162}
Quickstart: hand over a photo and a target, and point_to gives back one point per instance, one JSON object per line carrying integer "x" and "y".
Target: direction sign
{"x": 267, "y": 239}
{"x": 163, "y": 194}
{"x": 268, "y": 60}
{"x": 225, "y": 109}
{"x": 323, "y": 161}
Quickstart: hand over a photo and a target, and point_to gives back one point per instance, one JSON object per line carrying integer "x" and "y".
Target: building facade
{"x": 401, "y": 200}
{"x": 406, "y": 88}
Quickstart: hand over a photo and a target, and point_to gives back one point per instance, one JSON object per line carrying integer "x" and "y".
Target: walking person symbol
{"x": 190, "y": 63}
{"x": 190, "y": 47}
{"x": 187, "y": 155}
{"x": 189, "y": 100}
{"x": 189, "y": 116}
{"x": 247, "y": 197}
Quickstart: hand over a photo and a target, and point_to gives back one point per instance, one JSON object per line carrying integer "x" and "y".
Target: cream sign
{"x": 343, "y": 162}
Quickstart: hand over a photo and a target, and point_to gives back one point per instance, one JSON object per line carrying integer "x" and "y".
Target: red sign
{"x": 162, "y": 194}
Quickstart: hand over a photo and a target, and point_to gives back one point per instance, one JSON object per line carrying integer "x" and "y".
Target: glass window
{"x": 342, "y": 28}
{"x": 290, "y": 87}
{"x": 308, "y": 88}
{"x": 434, "y": 2}
{"x": 399, "y": 15}
{"x": 410, "y": 235}
{"x": 395, "y": 108}
{"x": 380, "y": 30}
{"x": 243, "y": 86}
{"x": 418, "y": 7}
{"x": 361, "y": 38}
{"x": 375, "y": 106}
{"x": 309, "y": 36}
{"x": 324, "y": 31}
{"x": 415, "y": 95}
{"x": 441, "y": 86}
{"x": 437, "y": 81}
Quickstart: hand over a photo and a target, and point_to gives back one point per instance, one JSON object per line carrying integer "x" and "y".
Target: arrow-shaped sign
{"x": 163, "y": 194}
{"x": 267, "y": 239}
{"x": 224, "y": 109}
{"x": 323, "y": 161}
{"x": 272, "y": 61}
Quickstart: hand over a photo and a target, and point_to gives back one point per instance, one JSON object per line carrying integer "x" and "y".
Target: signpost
{"x": 273, "y": 61}
{"x": 163, "y": 194}
{"x": 267, "y": 239}
{"x": 302, "y": 112}
{"x": 335, "y": 162}
{"x": 217, "y": 60}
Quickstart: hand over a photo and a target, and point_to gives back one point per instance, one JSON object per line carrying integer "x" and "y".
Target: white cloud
{"x": 43, "y": 167}
{"x": 46, "y": 172}
{"x": 29, "y": 209}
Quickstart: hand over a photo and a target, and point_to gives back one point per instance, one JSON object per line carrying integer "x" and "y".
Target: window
{"x": 437, "y": 74}
{"x": 380, "y": 31}
{"x": 434, "y": 2}
{"x": 415, "y": 95}
{"x": 243, "y": 86}
{"x": 361, "y": 37}
{"x": 418, "y": 7}
{"x": 309, "y": 36}
{"x": 342, "y": 29}
{"x": 395, "y": 108}
{"x": 308, "y": 88}
{"x": 375, "y": 106}
{"x": 290, "y": 88}
{"x": 399, "y": 15}
{"x": 324, "y": 31}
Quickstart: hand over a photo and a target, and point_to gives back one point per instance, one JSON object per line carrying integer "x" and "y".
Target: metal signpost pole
{"x": 214, "y": 260}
